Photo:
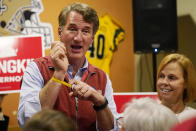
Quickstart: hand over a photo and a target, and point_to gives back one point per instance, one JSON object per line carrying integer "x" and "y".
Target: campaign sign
{"x": 15, "y": 53}
{"x": 122, "y": 98}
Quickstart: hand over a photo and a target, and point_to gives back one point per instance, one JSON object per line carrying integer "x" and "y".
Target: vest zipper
{"x": 76, "y": 100}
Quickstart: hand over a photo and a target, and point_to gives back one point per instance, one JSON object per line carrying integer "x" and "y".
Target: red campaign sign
{"x": 122, "y": 98}
{"x": 15, "y": 53}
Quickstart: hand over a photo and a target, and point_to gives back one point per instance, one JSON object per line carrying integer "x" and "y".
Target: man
{"x": 87, "y": 101}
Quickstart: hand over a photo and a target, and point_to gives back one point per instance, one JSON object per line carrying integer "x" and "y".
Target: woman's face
{"x": 170, "y": 83}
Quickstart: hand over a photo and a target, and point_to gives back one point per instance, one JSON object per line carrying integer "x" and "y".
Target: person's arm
{"x": 49, "y": 93}
{"x": 33, "y": 94}
{"x": 32, "y": 83}
{"x": 105, "y": 118}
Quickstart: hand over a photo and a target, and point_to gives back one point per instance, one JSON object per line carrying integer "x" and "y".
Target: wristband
{"x": 98, "y": 108}
{"x": 62, "y": 82}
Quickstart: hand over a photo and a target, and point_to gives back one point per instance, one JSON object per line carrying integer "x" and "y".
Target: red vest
{"x": 93, "y": 76}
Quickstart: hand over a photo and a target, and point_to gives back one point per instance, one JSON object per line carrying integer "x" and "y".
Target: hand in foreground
{"x": 85, "y": 92}
{"x": 59, "y": 58}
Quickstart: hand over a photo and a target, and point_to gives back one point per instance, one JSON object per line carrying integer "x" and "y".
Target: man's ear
{"x": 92, "y": 42}
{"x": 93, "y": 39}
{"x": 59, "y": 32}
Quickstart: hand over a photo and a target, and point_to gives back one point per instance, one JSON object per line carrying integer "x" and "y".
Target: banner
{"x": 15, "y": 53}
{"x": 122, "y": 98}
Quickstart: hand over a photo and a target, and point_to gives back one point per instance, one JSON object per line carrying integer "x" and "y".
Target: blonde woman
{"x": 176, "y": 85}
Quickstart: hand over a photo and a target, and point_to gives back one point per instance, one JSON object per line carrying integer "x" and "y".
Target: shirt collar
{"x": 82, "y": 69}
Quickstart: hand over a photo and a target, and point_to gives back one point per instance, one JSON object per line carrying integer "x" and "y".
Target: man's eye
{"x": 85, "y": 31}
{"x": 72, "y": 29}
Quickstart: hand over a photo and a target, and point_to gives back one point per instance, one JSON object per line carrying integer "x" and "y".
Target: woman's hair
{"x": 146, "y": 114}
{"x": 49, "y": 120}
{"x": 189, "y": 75}
{"x": 88, "y": 13}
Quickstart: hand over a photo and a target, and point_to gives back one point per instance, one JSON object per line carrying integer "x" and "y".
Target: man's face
{"x": 77, "y": 36}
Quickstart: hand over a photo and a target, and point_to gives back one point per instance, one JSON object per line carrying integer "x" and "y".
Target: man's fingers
{"x": 74, "y": 82}
{"x": 71, "y": 94}
{"x": 58, "y": 50}
{"x": 84, "y": 90}
{"x": 53, "y": 44}
{"x": 60, "y": 44}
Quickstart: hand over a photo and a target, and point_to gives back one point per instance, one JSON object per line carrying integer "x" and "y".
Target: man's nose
{"x": 78, "y": 36}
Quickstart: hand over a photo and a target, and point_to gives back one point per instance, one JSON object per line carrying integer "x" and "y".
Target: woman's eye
{"x": 172, "y": 77}
{"x": 161, "y": 76}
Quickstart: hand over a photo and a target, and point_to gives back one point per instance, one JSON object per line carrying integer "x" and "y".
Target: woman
{"x": 176, "y": 81}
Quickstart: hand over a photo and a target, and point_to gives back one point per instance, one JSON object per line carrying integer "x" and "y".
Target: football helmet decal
{"x": 21, "y": 17}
